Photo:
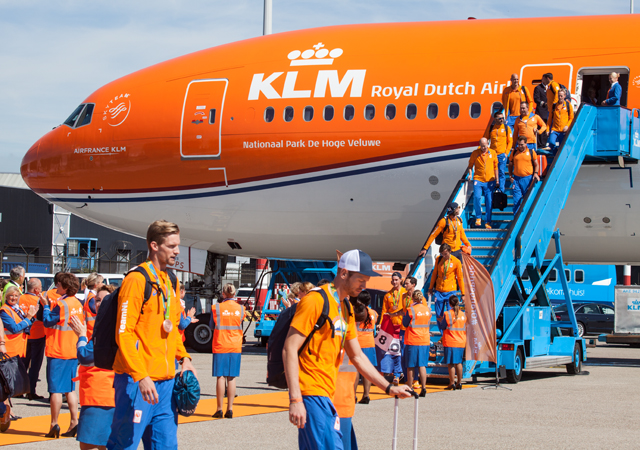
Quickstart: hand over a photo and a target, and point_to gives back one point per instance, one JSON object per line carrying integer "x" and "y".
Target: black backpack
{"x": 104, "y": 330}
{"x": 275, "y": 363}
{"x": 440, "y": 237}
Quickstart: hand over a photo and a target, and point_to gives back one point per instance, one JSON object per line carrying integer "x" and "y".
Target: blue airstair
{"x": 528, "y": 334}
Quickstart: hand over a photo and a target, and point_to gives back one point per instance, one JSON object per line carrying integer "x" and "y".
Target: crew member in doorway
{"x": 452, "y": 232}
{"x": 615, "y": 91}
{"x": 540, "y": 96}
{"x": 512, "y": 96}
{"x": 523, "y": 170}
{"x": 484, "y": 161}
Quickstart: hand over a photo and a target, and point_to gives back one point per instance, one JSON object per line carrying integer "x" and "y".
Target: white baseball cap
{"x": 357, "y": 261}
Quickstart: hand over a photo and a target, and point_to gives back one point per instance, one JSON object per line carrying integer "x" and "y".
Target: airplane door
{"x": 200, "y": 134}
{"x": 531, "y": 75}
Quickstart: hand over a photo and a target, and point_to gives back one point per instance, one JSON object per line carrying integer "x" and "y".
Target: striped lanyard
{"x": 334, "y": 293}
{"x": 396, "y": 298}
{"x": 165, "y": 297}
{"x": 444, "y": 269}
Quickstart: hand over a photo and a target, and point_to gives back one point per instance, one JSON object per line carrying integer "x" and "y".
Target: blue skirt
{"x": 226, "y": 364}
{"x": 416, "y": 356}
{"x": 453, "y": 355}
{"x": 370, "y": 353}
{"x": 60, "y": 374}
{"x": 94, "y": 424}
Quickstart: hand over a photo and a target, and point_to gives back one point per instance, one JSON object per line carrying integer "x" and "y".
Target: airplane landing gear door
{"x": 201, "y": 132}
{"x": 531, "y": 75}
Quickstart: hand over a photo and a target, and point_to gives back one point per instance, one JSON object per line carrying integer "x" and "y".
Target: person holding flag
{"x": 446, "y": 280}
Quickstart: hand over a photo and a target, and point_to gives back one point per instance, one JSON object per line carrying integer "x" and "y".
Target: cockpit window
{"x": 81, "y": 116}
{"x": 71, "y": 121}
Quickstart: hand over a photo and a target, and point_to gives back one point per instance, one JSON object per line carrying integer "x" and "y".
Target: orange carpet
{"x": 32, "y": 429}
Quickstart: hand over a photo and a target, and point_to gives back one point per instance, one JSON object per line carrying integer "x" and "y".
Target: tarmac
{"x": 547, "y": 409}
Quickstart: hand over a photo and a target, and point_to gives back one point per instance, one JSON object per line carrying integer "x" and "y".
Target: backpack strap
{"x": 324, "y": 318}
{"x": 151, "y": 284}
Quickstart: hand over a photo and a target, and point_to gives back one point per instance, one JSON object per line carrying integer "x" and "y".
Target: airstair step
{"x": 486, "y": 248}
{"x": 486, "y": 238}
{"x": 437, "y": 375}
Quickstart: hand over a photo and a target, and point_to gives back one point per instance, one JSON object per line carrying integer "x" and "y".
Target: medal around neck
{"x": 167, "y": 326}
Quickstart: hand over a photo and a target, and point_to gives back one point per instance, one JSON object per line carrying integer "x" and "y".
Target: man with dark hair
{"x": 452, "y": 231}
{"x": 499, "y": 134}
{"x": 311, "y": 374}
{"x": 149, "y": 343}
{"x": 446, "y": 280}
{"x": 523, "y": 169}
{"x": 542, "y": 105}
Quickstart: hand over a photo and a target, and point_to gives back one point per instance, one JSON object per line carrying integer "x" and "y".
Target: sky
{"x": 53, "y": 54}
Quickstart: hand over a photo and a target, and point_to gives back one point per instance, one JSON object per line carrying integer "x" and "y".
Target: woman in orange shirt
{"x": 454, "y": 340}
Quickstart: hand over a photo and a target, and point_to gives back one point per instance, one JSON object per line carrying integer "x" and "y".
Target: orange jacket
{"x": 145, "y": 349}
{"x": 455, "y": 334}
{"x": 560, "y": 116}
{"x": 500, "y": 138}
{"x": 89, "y": 316}
{"x": 61, "y": 340}
{"x": 393, "y": 303}
{"x": 96, "y": 386}
{"x": 227, "y": 334}
{"x": 486, "y": 165}
{"x": 37, "y": 327}
{"x": 365, "y": 334}
{"x": 344, "y": 398}
{"x": 453, "y": 234}
{"x": 526, "y": 127}
{"x": 552, "y": 93}
{"x": 16, "y": 344}
{"x": 454, "y": 274}
{"x": 417, "y": 332}
{"x": 511, "y": 99}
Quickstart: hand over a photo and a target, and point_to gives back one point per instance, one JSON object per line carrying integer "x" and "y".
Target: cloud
{"x": 54, "y": 54}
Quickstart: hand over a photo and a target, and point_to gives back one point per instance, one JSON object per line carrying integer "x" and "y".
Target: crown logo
{"x": 314, "y": 57}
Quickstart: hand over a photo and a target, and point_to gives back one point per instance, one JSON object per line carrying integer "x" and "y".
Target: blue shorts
{"x": 135, "y": 420}
{"x": 349, "y": 441}
{"x": 60, "y": 374}
{"x": 391, "y": 364}
{"x": 226, "y": 364}
{"x": 322, "y": 430}
{"x": 370, "y": 353}
{"x": 416, "y": 356}
{"x": 453, "y": 355}
{"x": 94, "y": 425}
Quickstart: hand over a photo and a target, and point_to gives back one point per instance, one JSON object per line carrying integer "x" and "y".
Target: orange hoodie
{"x": 145, "y": 349}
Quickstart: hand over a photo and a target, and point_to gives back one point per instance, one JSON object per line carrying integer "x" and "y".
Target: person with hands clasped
{"x": 149, "y": 342}
{"x": 311, "y": 375}
{"x": 16, "y": 323}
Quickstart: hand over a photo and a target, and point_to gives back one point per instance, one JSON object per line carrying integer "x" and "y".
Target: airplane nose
{"x": 29, "y": 167}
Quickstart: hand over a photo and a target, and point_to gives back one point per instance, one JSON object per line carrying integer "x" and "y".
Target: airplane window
{"x": 85, "y": 118}
{"x": 308, "y": 113}
{"x": 328, "y": 113}
{"x": 369, "y": 112}
{"x": 390, "y": 112}
{"x": 269, "y": 114}
{"x": 567, "y": 275}
{"x": 475, "y": 110}
{"x": 578, "y": 276}
{"x": 212, "y": 116}
{"x": 454, "y": 111}
{"x": 412, "y": 111}
{"x": 288, "y": 114}
{"x": 349, "y": 112}
{"x": 432, "y": 111}
{"x": 71, "y": 120}
{"x": 496, "y": 107}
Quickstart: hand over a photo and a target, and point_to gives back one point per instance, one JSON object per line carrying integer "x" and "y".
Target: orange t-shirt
{"x": 365, "y": 334}
{"x": 560, "y": 117}
{"x": 319, "y": 370}
{"x": 500, "y": 138}
{"x": 511, "y": 99}
{"x": 522, "y": 166}
{"x": 344, "y": 399}
{"x": 37, "y": 327}
{"x": 526, "y": 127}
{"x": 485, "y": 165}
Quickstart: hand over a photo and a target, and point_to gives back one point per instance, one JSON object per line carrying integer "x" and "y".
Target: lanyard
{"x": 165, "y": 297}
{"x": 444, "y": 269}
{"x": 396, "y": 297}
{"x": 334, "y": 292}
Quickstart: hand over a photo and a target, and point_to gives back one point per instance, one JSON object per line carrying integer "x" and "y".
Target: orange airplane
{"x": 294, "y": 144}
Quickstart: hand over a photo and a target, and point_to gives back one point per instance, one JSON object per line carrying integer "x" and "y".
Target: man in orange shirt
{"x": 512, "y": 96}
{"x": 149, "y": 342}
{"x": 312, "y": 371}
{"x": 523, "y": 169}
{"x": 560, "y": 118}
{"x": 484, "y": 161}
{"x": 528, "y": 125}
{"x": 394, "y": 305}
{"x": 452, "y": 232}
{"x": 446, "y": 280}
{"x": 500, "y": 136}
{"x": 36, "y": 340}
